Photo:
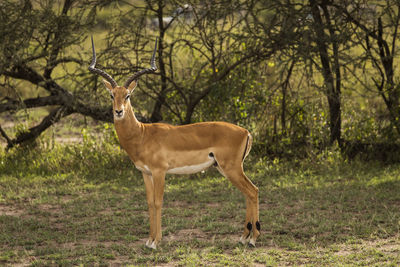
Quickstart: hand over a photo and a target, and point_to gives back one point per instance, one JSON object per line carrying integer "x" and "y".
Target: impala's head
{"x": 120, "y": 95}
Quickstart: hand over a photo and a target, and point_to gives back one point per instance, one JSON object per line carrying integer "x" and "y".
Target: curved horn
{"x": 152, "y": 69}
{"x": 100, "y": 72}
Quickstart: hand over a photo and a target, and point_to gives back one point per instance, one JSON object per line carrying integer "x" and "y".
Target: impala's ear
{"x": 132, "y": 86}
{"x": 108, "y": 86}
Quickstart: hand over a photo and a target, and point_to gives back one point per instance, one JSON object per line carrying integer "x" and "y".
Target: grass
{"x": 84, "y": 204}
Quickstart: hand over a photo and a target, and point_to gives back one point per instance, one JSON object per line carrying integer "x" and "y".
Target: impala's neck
{"x": 128, "y": 128}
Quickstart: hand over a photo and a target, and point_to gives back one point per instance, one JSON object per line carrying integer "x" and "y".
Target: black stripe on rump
{"x": 245, "y": 149}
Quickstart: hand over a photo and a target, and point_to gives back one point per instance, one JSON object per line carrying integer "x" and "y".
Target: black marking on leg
{"x": 249, "y": 226}
{"x": 258, "y": 226}
{"x": 211, "y": 155}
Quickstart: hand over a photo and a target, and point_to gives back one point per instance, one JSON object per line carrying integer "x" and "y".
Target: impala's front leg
{"x": 148, "y": 181}
{"x": 159, "y": 182}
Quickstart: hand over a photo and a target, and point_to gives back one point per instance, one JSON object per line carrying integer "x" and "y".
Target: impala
{"x": 157, "y": 149}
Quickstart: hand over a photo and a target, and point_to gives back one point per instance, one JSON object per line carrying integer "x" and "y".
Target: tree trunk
{"x": 156, "y": 115}
{"x": 332, "y": 88}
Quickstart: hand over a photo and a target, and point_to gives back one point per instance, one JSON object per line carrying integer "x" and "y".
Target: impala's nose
{"x": 118, "y": 113}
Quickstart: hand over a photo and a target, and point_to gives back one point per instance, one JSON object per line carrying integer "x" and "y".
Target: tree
{"x": 199, "y": 46}
{"x": 315, "y": 36}
{"x": 53, "y": 60}
{"x": 377, "y": 35}
{"x": 37, "y": 44}
{"x": 326, "y": 35}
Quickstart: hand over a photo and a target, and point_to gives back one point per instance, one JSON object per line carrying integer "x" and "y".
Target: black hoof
{"x": 251, "y": 245}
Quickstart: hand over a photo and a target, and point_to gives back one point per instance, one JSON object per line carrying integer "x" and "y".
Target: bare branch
{"x": 35, "y": 131}
{"x": 13, "y": 105}
{"x": 4, "y": 134}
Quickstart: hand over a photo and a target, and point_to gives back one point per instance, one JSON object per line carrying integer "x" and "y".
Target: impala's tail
{"x": 248, "y": 146}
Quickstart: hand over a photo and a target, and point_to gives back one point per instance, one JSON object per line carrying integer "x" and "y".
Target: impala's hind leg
{"x": 252, "y": 223}
{"x": 240, "y": 180}
{"x": 245, "y": 238}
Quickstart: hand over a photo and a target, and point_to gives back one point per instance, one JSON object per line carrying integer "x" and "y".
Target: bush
{"x": 92, "y": 158}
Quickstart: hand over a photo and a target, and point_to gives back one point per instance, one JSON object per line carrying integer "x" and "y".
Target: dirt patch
{"x": 386, "y": 246}
{"x": 10, "y": 211}
{"x": 177, "y": 204}
{"x": 107, "y": 211}
{"x": 390, "y": 246}
{"x": 343, "y": 253}
{"x": 185, "y": 235}
{"x": 66, "y": 199}
{"x": 94, "y": 243}
{"x": 87, "y": 243}
{"x": 213, "y": 205}
{"x": 55, "y": 211}
{"x": 49, "y": 207}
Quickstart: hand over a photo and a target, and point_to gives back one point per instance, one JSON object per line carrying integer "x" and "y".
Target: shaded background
{"x": 300, "y": 75}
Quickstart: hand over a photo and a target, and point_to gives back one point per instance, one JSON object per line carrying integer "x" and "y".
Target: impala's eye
{"x": 127, "y": 97}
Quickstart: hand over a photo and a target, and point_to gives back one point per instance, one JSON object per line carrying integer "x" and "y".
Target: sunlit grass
{"x": 85, "y": 204}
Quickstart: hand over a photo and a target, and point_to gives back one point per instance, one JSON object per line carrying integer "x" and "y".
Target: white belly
{"x": 192, "y": 168}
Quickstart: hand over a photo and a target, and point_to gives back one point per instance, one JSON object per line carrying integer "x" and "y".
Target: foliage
{"x": 297, "y": 84}
{"x": 97, "y": 153}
